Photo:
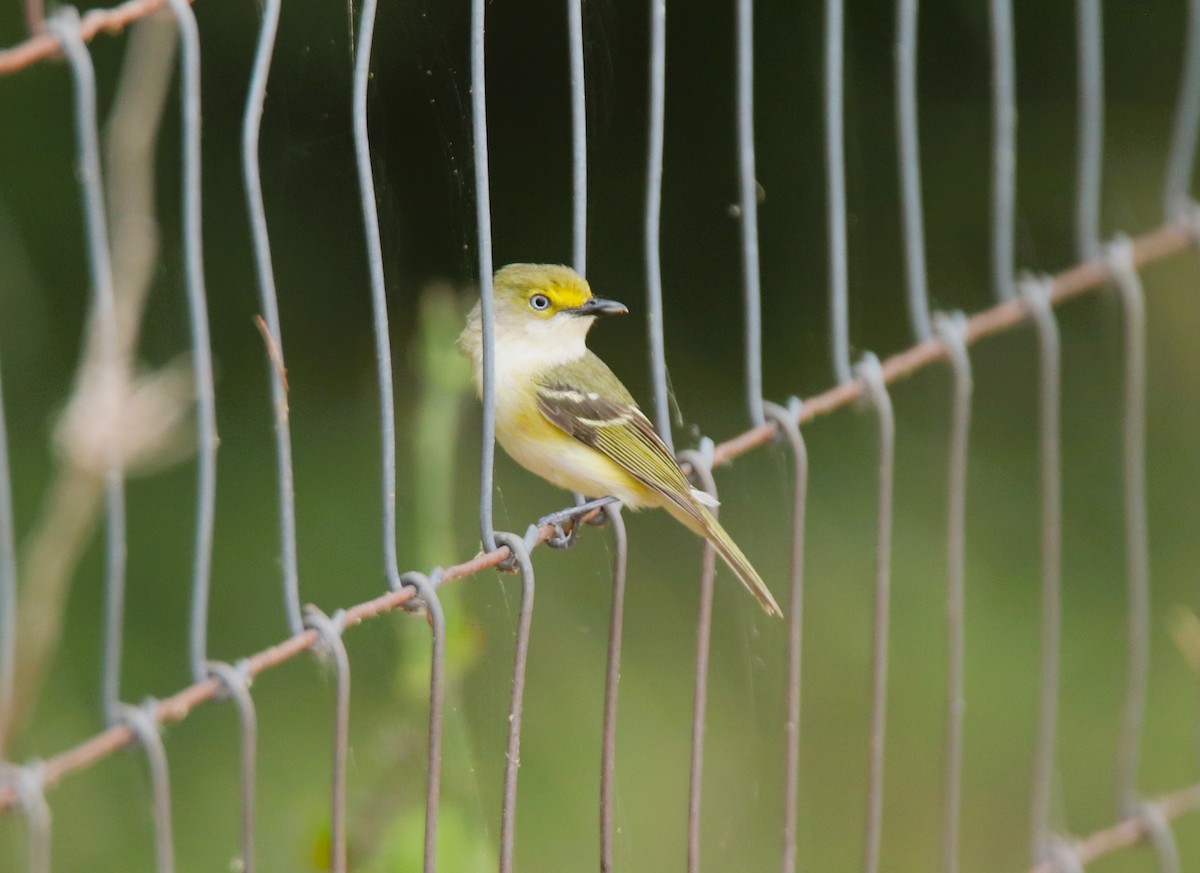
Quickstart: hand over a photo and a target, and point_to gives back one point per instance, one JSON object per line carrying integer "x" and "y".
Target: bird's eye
{"x": 540, "y": 302}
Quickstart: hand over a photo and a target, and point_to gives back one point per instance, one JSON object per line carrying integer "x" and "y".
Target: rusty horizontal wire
{"x": 45, "y": 45}
{"x": 1166, "y": 240}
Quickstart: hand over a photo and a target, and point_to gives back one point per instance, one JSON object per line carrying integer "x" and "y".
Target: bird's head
{"x": 547, "y": 293}
{"x": 547, "y": 305}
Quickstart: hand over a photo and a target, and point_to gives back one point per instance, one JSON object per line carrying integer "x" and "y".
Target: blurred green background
{"x": 422, "y": 149}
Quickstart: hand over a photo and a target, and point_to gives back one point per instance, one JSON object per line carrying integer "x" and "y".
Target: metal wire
{"x": 329, "y": 629}
{"x": 512, "y": 756}
{"x": 236, "y": 681}
{"x": 1004, "y": 149}
{"x": 487, "y": 305}
{"x": 909, "y": 146}
{"x": 1091, "y": 128}
{"x": 1166, "y": 851}
{"x": 144, "y": 723}
{"x": 869, "y": 373}
{"x": 952, "y": 331}
{"x": 653, "y": 228}
{"x": 8, "y": 582}
{"x": 65, "y": 27}
{"x": 835, "y": 182}
{"x": 612, "y": 679}
{"x": 27, "y": 784}
{"x": 701, "y": 466}
{"x": 383, "y": 350}
{"x": 1036, "y": 295}
{"x": 1180, "y": 165}
{"x": 252, "y": 179}
{"x": 787, "y": 420}
{"x": 748, "y": 185}
{"x": 1137, "y": 557}
{"x": 202, "y": 373}
{"x": 578, "y": 137}
{"x": 426, "y": 587}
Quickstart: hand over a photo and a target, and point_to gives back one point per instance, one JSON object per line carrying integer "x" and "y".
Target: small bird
{"x": 562, "y": 413}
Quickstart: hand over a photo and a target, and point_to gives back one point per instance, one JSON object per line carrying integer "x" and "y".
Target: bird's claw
{"x": 564, "y": 537}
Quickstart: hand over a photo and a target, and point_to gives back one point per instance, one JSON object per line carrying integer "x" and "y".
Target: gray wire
{"x": 1091, "y": 129}
{"x": 512, "y": 756}
{"x": 1137, "y": 557}
{"x": 29, "y": 784}
{"x": 237, "y": 685}
{"x": 910, "y": 168}
{"x": 1036, "y": 294}
{"x": 612, "y": 679}
{"x": 654, "y": 175}
{"x": 1180, "y": 165}
{"x": 952, "y": 331}
{"x": 487, "y": 304}
{"x": 426, "y": 588}
{"x": 383, "y": 351}
{"x": 869, "y": 371}
{"x": 65, "y": 25}
{"x": 8, "y": 582}
{"x": 330, "y": 631}
{"x": 702, "y": 469}
{"x": 749, "y": 209}
{"x": 578, "y": 137}
{"x": 787, "y": 420}
{"x": 1004, "y": 149}
{"x": 206, "y": 407}
{"x": 142, "y": 720}
{"x": 1162, "y": 838}
{"x": 835, "y": 180}
{"x": 251, "y": 126}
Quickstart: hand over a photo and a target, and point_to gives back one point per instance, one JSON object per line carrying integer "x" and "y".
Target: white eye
{"x": 540, "y": 302}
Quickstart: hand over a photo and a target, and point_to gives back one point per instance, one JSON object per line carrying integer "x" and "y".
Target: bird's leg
{"x": 565, "y": 537}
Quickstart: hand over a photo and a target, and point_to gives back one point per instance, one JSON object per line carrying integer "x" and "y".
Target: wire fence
{"x": 939, "y": 337}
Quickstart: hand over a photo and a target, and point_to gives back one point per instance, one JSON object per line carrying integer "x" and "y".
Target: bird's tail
{"x": 705, "y": 524}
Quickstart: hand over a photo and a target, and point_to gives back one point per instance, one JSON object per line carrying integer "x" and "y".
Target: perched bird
{"x": 561, "y": 413}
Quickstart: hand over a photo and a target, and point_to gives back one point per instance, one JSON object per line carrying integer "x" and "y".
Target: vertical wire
{"x": 1091, "y": 129}
{"x": 330, "y": 631}
{"x": 65, "y": 26}
{"x": 251, "y": 174}
{"x": 1037, "y": 297}
{"x": 206, "y": 408}
{"x": 141, "y": 719}
{"x": 654, "y": 176}
{"x": 512, "y": 755}
{"x": 870, "y": 373}
{"x": 951, "y": 330}
{"x": 786, "y": 420}
{"x": 910, "y": 168}
{"x": 835, "y": 180}
{"x": 8, "y": 582}
{"x": 1004, "y": 148}
{"x": 383, "y": 351}
{"x": 612, "y": 679}
{"x": 748, "y": 184}
{"x": 701, "y": 467}
{"x": 237, "y": 686}
{"x": 578, "y": 137}
{"x": 426, "y": 587}
{"x": 28, "y": 782}
{"x": 1182, "y": 158}
{"x": 1137, "y": 558}
{"x": 487, "y": 303}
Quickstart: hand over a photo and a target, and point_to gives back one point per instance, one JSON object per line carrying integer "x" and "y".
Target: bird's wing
{"x": 590, "y": 404}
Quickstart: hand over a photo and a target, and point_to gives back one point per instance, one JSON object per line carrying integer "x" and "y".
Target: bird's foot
{"x": 564, "y": 537}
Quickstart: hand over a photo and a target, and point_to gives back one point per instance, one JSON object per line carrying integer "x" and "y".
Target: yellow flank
{"x": 561, "y": 413}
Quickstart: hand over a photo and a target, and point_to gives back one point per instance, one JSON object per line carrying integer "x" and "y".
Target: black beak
{"x": 599, "y": 306}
